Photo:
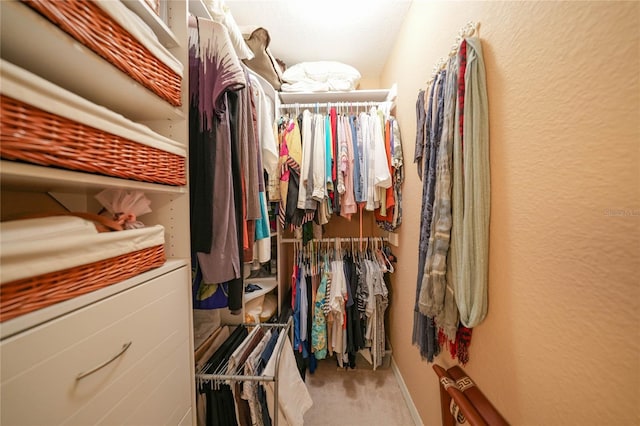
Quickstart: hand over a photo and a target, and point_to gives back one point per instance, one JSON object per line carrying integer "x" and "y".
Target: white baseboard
{"x": 405, "y": 393}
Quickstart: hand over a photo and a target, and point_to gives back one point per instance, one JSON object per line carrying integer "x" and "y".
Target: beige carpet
{"x": 355, "y": 397}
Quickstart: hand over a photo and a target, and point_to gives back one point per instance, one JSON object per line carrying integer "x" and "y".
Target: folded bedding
{"x": 320, "y": 76}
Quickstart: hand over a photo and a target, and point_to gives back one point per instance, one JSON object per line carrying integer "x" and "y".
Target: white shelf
{"x": 151, "y": 18}
{"x": 259, "y": 280}
{"x": 32, "y": 319}
{"x": 198, "y": 8}
{"x": 267, "y": 285}
{"x": 22, "y": 176}
{"x": 30, "y": 41}
{"x": 378, "y": 95}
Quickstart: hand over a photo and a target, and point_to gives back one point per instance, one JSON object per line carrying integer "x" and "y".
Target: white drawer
{"x": 148, "y": 384}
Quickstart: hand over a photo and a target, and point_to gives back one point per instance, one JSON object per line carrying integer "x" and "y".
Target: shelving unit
{"x": 31, "y": 177}
{"x": 321, "y": 99}
{"x": 267, "y": 284}
{"x": 375, "y": 95}
{"x": 159, "y": 27}
{"x": 76, "y": 67}
{"x": 33, "y": 43}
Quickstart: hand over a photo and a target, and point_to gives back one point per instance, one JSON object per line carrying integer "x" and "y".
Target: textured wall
{"x": 560, "y": 344}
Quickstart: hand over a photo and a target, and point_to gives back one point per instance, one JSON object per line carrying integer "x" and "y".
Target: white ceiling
{"x": 360, "y": 33}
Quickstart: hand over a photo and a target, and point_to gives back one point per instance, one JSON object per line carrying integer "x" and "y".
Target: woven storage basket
{"x": 32, "y": 135}
{"x": 90, "y": 25}
{"x": 30, "y": 294}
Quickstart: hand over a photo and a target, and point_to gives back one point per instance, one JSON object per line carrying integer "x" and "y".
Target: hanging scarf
{"x": 424, "y": 331}
{"x": 472, "y": 270}
{"x": 436, "y": 300}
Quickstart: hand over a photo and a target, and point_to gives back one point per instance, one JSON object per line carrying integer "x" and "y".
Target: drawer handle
{"x": 104, "y": 364}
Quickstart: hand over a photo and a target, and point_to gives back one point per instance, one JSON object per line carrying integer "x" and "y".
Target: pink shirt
{"x": 348, "y": 204}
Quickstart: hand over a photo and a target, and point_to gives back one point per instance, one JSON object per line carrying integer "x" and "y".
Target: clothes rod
{"x": 335, "y": 104}
{"x": 333, "y": 240}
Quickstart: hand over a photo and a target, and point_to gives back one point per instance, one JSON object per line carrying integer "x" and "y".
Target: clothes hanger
{"x": 315, "y": 255}
{"x": 379, "y": 256}
{"x": 365, "y": 251}
{"x": 387, "y": 261}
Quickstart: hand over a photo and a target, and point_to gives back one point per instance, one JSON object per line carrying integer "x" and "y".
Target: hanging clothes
{"x": 424, "y": 331}
{"x": 355, "y": 337}
{"x": 345, "y": 161}
{"x": 452, "y": 149}
{"x": 249, "y": 391}
{"x": 251, "y": 181}
{"x": 290, "y": 172}
{"x": 293, "y": 397}
{"x": 391, "y": 218}
{"x": 319, "y": 329}
{"x": 215, "y": 73}
{"x": 434, "y": 286}
{"x": 220, "y": 405}
{"x": 379, "y": 161}
{"x": 471, "y": 290}
{"x": 230, "y": 399}
{"x": 233, "y": 145}
{"x": 346, "y": 168}
{"x": 347, "y": 301}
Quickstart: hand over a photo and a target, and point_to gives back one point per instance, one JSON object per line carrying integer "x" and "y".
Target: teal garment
{"x": 262, "y": 225}
{"x": 319, "y": 326}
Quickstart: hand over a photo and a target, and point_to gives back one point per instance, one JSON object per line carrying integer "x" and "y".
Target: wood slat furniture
{"x": 461, "y": 400}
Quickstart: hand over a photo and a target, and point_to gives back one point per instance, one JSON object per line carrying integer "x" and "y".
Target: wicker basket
{"x": 90, "y": 25}
{"x": 32, "y": 135}
{"x": 30, "y": 294}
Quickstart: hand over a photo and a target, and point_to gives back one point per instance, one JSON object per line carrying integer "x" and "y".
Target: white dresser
{"x": 140, "y": 339}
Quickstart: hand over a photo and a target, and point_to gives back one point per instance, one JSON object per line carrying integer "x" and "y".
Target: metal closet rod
{"x": 334, "y": 239}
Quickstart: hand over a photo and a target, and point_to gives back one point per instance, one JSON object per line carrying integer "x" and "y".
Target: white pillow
{"x": 220, "y": 13}
{"x": 322, "y": 72}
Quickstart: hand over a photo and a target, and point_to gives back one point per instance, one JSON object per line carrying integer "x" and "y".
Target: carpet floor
{"x": 360, "y": 397}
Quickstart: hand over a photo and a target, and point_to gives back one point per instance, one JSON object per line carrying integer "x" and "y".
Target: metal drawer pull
{"x": 104, "y": 364}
